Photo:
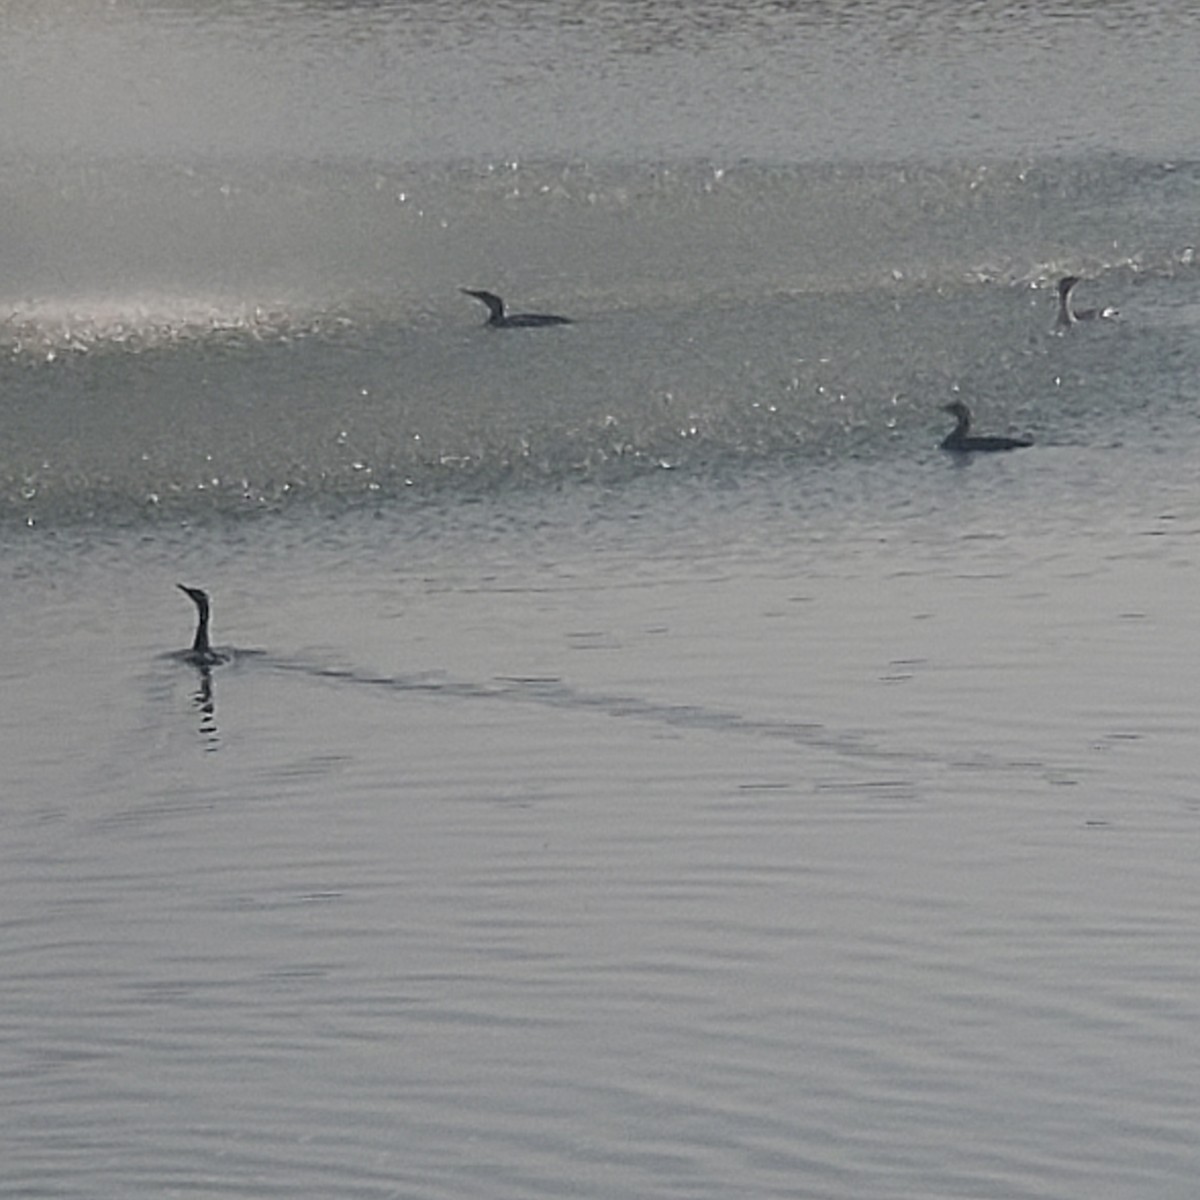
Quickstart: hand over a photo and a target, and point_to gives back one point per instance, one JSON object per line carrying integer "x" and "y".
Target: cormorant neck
{"x": 494, "y": 304}
{"x": 200, "y": 644}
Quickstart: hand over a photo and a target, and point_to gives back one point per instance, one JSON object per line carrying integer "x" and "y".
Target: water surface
{"x": 663, "y": 771}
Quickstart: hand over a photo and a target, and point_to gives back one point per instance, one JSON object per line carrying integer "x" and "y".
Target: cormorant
{"x": 202, "y": 653}
{"x": 1067, "y": 315}
{"x": 501, "y": 319}
{"x": 960, "y": 439}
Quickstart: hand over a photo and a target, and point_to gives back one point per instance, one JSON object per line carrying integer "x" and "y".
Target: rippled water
{"x": 882, "y": 79}
{"x": 610, "y": 858}
{"x": 661, "y": 771}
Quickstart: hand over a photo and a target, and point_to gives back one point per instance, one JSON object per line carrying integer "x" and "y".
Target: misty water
{"x": 649, "y": 766}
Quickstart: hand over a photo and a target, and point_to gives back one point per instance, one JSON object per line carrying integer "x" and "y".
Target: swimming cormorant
{"x": 960, "y": 439}
{"x": 202, "y": 653}
{"x": 502, "y": 319}
{"x": 1067, "y": 314}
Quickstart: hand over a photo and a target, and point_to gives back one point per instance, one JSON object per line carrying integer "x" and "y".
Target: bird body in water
{"x": 501, "y": 318}
{"x": 961, "y": 440}
{"x": 1067, "y": 313}
{"x": 202, "y": 653}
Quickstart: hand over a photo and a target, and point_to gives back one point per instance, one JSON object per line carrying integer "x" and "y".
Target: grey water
{"x": 649, "y": 765}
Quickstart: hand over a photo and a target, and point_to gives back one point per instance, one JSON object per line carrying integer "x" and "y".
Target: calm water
{"x": 663, "y": 771}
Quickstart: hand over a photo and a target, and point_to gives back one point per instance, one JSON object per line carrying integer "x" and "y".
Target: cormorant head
{"x": 1066, "y": 283}
{"x": 198, "y": 596}
{"x": 958, "y": 410}
{"x": 494, "y": 303}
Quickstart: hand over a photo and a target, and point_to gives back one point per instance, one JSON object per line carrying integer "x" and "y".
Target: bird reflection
{"x": 206, "y": 705}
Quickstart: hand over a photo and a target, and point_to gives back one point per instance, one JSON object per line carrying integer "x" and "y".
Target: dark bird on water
{"x": 501, "y": 318}
{"x": 202, "y": 653}
{"x": 1068, "y": 315}
{"x": 961, "y": 439}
